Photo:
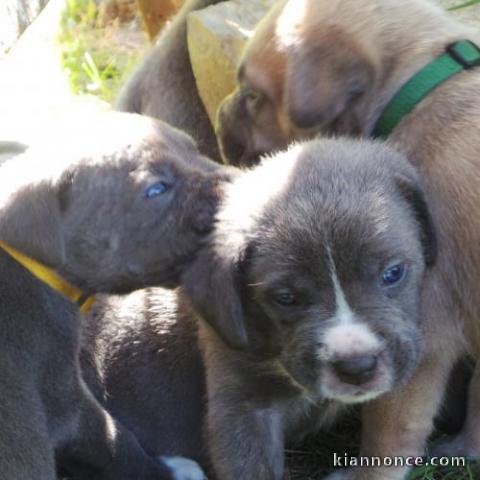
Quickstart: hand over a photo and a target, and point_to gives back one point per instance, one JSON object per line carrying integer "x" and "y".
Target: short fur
{"x": 79, "y": 207}
{"x": 142, "y": 361}
{"x": 322, "y": 218}
{"x": 274, "y": 388}
{"x": 329, "y": 66}
{"x": 164, "y": 85}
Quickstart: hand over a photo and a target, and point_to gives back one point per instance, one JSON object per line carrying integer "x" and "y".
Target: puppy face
{"x": 127, "y": 206}
{"x": 321, "y": 66}
{"x": 326, "y": 267}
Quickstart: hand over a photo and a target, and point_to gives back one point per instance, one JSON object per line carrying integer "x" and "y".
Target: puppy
{"x": 315, "y": 66}
{"x": 318, "y": 66}
{"x": 311, "y": 282}
{"x": 141, "y": 359}
{"x": 123, "y": 202}
{"x": 164, "y": 86}
{"x": 309, "y": 293}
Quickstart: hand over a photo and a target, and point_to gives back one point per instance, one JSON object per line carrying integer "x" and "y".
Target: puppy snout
{"x": 205, "y": 204}
{"x": 356, "y": 370}
{"x": 233, "y": 150}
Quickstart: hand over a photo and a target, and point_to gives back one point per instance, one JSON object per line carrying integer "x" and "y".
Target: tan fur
{"x": 392, "y": 40}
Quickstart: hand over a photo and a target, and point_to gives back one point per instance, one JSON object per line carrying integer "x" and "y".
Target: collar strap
{"x": 459, "y": 56}
{"x": 51, "y": 278}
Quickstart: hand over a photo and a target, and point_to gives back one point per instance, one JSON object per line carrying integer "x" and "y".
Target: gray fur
{"x": 350, "y": 196}
{"x": 142, "y": 361}
{"x": 79, "y": 206}
{"x": 363, "y": 198}
{"x": 164, "y": 85}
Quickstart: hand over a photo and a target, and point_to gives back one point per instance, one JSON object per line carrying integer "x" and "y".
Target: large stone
{"x": 216, "y": 36}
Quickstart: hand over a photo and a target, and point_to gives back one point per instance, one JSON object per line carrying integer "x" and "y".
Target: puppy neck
{"x": 51, "y": 278}
{"x": 409, "y": 43}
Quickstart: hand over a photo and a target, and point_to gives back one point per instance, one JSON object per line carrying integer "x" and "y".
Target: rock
{"x": 216, "y": 36}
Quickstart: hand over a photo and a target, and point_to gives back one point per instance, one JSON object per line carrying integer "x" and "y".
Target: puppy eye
{"x": 157, "y": 189}
{"x": 394, "y": 274}
{"x": 285, "y": 298}
{"x": 252, "y": 99}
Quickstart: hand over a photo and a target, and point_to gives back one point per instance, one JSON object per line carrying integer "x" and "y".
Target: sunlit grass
{"x": 93, "y": 64}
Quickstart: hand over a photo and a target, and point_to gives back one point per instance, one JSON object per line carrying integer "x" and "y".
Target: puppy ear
{"x": 324, "y": 78}
{"x": 213, "y": 284}
{"x": 413, "y": 193}
{"x": 30, "y": 222}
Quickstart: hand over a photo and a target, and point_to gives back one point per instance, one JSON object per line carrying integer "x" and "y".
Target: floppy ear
{"x": 324, "y": 78}
{"x": 30, "y": 222}
{"x": 413, "y": 193}
{"x": 213, "y": 284}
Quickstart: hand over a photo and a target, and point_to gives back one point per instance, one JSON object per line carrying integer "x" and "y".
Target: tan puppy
{"x": 332, "y": 66}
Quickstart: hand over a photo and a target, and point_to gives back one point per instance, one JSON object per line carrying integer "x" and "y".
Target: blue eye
{"x": 285, "y": 298}
{"x": 156, "y": 189}
{"x": 393, "y": 274}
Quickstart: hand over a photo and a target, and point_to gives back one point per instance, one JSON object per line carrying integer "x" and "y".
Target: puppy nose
{"x": 232, "y": 148}
{"x": 356, "y": 370}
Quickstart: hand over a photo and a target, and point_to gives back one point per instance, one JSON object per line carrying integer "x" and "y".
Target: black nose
{"x": 233, "y": 149}
{"x": 356, "y": 370}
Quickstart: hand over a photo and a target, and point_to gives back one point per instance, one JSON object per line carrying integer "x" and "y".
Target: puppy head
{"x": 321, "y": 267}
{"x": 322, "y": 66}
{"x": 124, "y": 205}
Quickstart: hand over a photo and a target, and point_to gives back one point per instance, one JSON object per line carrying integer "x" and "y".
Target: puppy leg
{"x": 102, "y": 449}
{"x": 467, "y": 442}
{"x": 398, "y": 424}
{"x": 26, "y": 452}
{"x": 244, "y": 442}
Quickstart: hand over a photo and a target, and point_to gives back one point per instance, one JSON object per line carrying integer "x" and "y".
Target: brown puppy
{"x": 164, "y": 87}
{"x": 311, "y": 282}
{"x": 120, "y": 203}
{"x": 332, "y": 66}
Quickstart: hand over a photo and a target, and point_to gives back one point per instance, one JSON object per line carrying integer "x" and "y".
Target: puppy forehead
{"x": 340, "y": 196}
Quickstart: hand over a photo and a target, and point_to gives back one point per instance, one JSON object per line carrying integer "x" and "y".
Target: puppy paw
{"x": 183, "y": 468}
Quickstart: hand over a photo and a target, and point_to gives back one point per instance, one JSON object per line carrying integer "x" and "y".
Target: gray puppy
{"x": 310, "y": 280}
{"x": 121, "y": 203}
{"x": 312, "y": 287}
{"x": 142, "y": 361}
{"x": 164, "y": 85}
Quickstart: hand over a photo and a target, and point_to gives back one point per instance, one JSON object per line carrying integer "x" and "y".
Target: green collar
{"x": 459, "y": 56}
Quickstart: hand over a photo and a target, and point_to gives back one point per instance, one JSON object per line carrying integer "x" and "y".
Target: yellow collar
{"x": 51, "y": 278}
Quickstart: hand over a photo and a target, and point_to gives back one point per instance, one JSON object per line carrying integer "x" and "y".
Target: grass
{"x": 94, "y": 60}
{"x": 314, "y": 458}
